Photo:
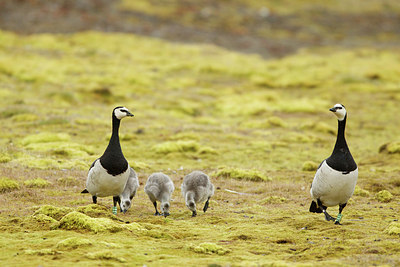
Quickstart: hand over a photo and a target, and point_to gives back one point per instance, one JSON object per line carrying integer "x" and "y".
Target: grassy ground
{"x": 196, "y": 107}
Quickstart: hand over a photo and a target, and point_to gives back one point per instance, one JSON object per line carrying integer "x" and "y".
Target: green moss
{"x": 137, "y": 165}
{"x": 25, "y": 118}
{"x": 41, "y": 252}
{"x": 358, "y": 191}
{"x": 393, "y": 229}
{"x": 209, "y": 248}
{"x": 384, "y": 196}
{"x": 267, "y": 123}
{"x": 178, "y": 146}
{"x": 273, "y": 200}
{"x": 97, "y": 211}
{"x": 62, "y": 149}
{"x": 105, "y": 255}
{"x": 7, "y": 184}
{"x": 4, "y": 158}
{"x": 79, "y": 221}
{"x": 68, "y": 181}
{"x": 241, "y": 174}
{"x": 74, "y": 243}
{"x": 321, "y": 127}
{"x": 45, "y": 137}
{"x": 41, "y": 218}
{"x": 391, "y": 148}
{"x": 37, "y": 183}
{"x": 309, "y": 166}
{"x": 54, "y": 212}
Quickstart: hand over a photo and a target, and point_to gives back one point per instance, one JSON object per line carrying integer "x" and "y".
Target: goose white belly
{"x": 101, "y": 184}
{"x": 333, "y": 187}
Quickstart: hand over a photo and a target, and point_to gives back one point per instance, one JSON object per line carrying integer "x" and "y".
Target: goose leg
{"x": 327, "y": 216}
{"x": 339, "y": 217}
{"x": 194, "y": 213}
{"x": 94, "y": 198}
{"x": 155, "y": 206}
{"x": 114, "y": 209}
{"x": 206, "y": 205}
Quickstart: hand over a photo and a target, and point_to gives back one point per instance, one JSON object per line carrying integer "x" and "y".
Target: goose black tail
{"x": 84, "y": 191}
{"x": 314, "y": 208}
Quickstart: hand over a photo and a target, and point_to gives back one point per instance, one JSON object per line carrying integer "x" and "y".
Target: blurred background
{"x": 272, "y": 28}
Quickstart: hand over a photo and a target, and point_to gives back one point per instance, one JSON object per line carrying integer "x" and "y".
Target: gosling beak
{"x": 166, "y": 214}
{"x": 332, "y": 109}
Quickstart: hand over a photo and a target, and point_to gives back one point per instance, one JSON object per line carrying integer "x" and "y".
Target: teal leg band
{"x": 114, "y": 210}
{"x": 338, "y": 218}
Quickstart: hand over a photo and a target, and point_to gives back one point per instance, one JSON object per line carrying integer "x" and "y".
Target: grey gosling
{"x": 131, "y": 187}
{"x": 160, "y": 187}
{"x": 197, "y": 188}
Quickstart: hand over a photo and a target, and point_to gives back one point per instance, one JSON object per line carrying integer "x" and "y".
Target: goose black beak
{"x": 129, "y": 114}
{"x": 332, "y": 109}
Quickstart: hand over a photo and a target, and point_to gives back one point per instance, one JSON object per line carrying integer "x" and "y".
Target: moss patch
{"x": 391, "y": 148}
{"x": 79, "y": 221}
{"x": 178, "y": 146}
{"x": 45, "y": 137}
{"x": 4, "y": 158}
{"x": 7, "y": 184}
{"x": 73, "y": 243}
{"x": 54, "y": 212}
{"x": 241, "y": 174}
{"x": 273, "y": 200}
{"x": 97, "y": 211}
{"x": 37, "y": 183}
{"x": 309, "y": 166}
{"x": 384, "y": 196}
{"x": 393, "y": 229}
{"x": 105, "y": 255}
{"x": 358, "y": 191}
{"x": 209, "y": 248}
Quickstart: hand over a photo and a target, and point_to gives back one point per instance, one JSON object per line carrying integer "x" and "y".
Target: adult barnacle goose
{"x": 108, "y": 174}
{"x": 336, "y": 177}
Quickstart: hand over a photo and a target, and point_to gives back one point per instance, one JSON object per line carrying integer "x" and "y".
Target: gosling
{"x": 160, "y": 187}
{"x": 197, "y": 188}
{"x": 131, "y": 187}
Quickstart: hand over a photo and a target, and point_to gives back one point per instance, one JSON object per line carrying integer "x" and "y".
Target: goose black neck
{"x": 340, "y": 139}
{"x": 113, "y": 159}
{"x": 341, "y": 158}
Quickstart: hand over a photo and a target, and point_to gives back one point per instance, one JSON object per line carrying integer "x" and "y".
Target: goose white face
{"x": 339, "y": 111}
{"x": 122, "y": 112}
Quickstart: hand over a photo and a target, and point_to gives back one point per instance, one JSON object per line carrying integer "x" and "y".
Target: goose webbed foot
{"x": 157, "y": 213}
{"x": 194, "y": 213}
{"x": 328, "y": 217}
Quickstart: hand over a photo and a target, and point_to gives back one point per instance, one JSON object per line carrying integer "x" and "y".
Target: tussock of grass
{"x": 4, "y": 158}
{"x": 321, "y": 127}
{"x": 393, "y": 229}
{"x": 41, "y": 252}
{"x": 209, "y": 248}
{"x": 310, "y": 166}
{"x": 358, "y": 191}
{"x": 241, "y": 174}
{"x": 74, "y": 243}
{"x": 178, "y": 146}
{"x": 384, "y": 196}
{"x": 79, "y": 221}
{"x": 54, "y": 212}
{"x": 37, "y": 183}
{"x": 105, "y": 255}
{"x": 45, "y": 137}
{"x": 7, "y": 184}
{"x": 390, "y": 148}
{"x": 273, "y": 200}
{"x": 266, "y": 123}
{"x": 96, "y": 211}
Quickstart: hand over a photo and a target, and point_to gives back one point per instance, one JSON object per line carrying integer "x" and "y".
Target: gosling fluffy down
{"x": 197, "y": 188}
{"x": 129, "y": 192}
{"x": 160, "y": 187}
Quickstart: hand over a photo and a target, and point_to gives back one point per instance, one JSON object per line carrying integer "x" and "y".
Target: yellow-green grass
{"x": 256, "y": 117}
